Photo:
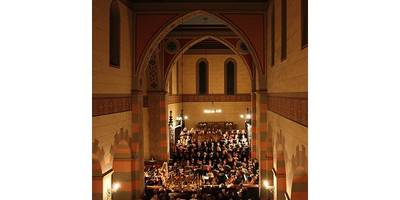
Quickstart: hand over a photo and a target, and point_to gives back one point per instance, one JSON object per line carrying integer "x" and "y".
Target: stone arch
{"x": 157, "y": 38}
{"x": 253, "y": 64}
{"x": 187, "y": 46}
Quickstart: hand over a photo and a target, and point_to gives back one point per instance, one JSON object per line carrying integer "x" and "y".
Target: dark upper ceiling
{"x": 193, "y": 5}
{"x": 204, "y": 20}
{"x": 202, "y": 25}
{"x": 183, "y": 1}
{"x": 209, "y": 44}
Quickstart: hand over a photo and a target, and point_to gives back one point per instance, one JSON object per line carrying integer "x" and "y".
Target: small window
{"x": 202, "y": 71}
{"x": 114, "y": 35}
{"x": 283, "y": 30}
{"x": 273, "y": 35}
{"x": 230, "y": 77}
{"x": 304, "y": 23}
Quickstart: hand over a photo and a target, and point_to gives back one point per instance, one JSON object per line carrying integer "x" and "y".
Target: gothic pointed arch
{"x": 174, "y": 59}
{"x": 143, "y": 54}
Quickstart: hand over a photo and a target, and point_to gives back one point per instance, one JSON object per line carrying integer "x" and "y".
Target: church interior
{"x": 200, "y": 99}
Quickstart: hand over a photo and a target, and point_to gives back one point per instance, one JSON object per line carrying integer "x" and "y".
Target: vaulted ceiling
{"x": 202, "y": 25}
{"x": 209, "y": 44}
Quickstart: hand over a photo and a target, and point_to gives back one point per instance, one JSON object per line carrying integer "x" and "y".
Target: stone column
{"x": 137, "y": 145}
{"x": 300, "y": 178}
{"x": 97, "y": 180}
{"x": 158, "y": 125}
{"x": 122, "y": 171}
{"x": 254, "y": 130}
{"x": 269, "y": 161}
{"x": 263, "y": 147}
{"x": 280, "y": 175}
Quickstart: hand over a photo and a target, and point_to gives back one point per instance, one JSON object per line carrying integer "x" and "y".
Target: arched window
{"x": 283, "y": 30}
{"x": 114, "y": 34}
{"x": 273, "y": 35}
{"x": 304, "y": 23}
{"x": 230, "y": 76}
{"x": 202, "y": 76}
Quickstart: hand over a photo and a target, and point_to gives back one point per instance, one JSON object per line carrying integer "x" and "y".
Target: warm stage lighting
{"x": 266, "y": 183}
{"x": 267, "y": 186}
{"x": 115, "y": 187}
{"x": 212, "y": 111}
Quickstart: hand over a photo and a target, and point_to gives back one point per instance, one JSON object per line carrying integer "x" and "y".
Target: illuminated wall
{"x": 231, "y": 111}
{"x": 215, "y": 74}
{"x": 107, "y": 79}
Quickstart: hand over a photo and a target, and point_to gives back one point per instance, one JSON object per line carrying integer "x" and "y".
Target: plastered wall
{"x": 104, "y": 128}
{"x": 295, "y": 135}
{"x": 106, "y": 79}
{"x": 216, "y": 74}
{"x": 175, "y": 108}
{"x": 290, "y": 75}
{"x": 230, "y": 112}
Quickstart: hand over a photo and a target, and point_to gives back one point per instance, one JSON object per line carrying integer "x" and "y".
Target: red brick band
{"x": 110, "y": 103}
{"x": 207, "y": 98}
{"x": 293, "y": 106}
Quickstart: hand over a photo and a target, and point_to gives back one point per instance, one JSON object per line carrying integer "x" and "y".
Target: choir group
{"x": 206, "y": 164}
